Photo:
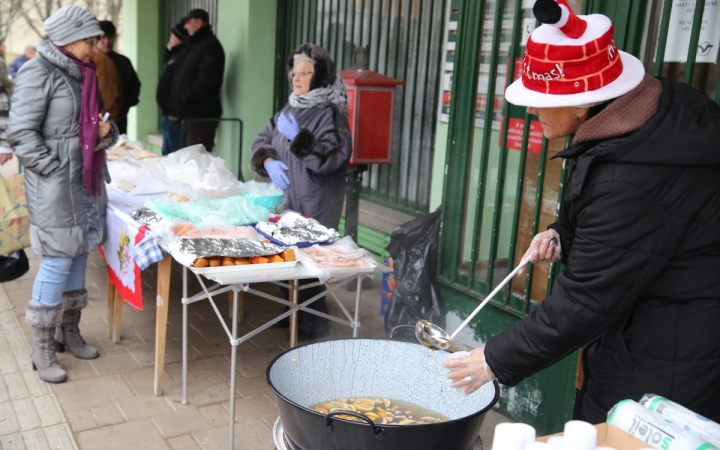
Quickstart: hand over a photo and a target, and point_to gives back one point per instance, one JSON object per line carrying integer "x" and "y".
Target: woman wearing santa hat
{"x": 638, "y": 229}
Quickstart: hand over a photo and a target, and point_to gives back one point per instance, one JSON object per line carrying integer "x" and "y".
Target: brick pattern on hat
{"x": 571, "y": 69}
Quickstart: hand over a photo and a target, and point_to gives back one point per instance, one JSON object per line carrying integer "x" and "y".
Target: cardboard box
{"x": 611, "y": 436}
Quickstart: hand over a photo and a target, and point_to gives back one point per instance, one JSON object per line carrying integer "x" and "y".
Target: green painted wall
{"x": 438, "y": 169}
{"x": 142, "y": 43}
{"x": 246, "y": 28}
{"x": 543, "y": 400}
{"x": 438, "y": 175}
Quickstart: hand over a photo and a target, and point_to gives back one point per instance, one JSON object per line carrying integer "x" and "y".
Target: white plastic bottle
{"x": 651, "y": 428}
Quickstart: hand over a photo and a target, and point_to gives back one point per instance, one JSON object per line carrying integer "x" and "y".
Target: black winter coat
{"x": 171, "y": 61}
{"x": 196, "y": 83}
{"x": 640, "y": 230}
{"x": 129, "y": 81}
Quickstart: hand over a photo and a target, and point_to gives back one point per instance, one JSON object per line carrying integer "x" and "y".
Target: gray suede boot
{"x": 68, "y": 335}
{"x": 44, "y": 319}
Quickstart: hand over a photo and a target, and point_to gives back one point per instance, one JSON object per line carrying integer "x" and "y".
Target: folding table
{"x": 235, "y": 281}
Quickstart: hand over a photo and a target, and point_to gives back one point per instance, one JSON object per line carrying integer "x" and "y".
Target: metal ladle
{"x": 435, "y": 338}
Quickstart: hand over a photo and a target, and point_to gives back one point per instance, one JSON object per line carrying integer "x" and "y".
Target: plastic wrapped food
{"x": 295, "y": 229}
{"x": 188, "y": 251}
{"x": 204, "y": 212}
{"x": 187, "y": 230}
{"x": 191, "y": 172}
{"x": 264, "y": 194}
{"x": 125, "y": 150}
{"x": 336, "y": 256}
{"x": 344, "y": 254}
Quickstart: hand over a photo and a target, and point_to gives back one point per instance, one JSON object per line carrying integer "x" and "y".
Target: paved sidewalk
{"x": 30, "y": 415}
{"x": 108, "y": 403}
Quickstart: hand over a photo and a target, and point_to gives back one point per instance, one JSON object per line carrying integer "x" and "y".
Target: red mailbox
{"x": 371, "y": 104}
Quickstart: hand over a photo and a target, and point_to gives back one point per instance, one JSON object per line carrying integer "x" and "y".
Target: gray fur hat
{"x": 71, "y": 23}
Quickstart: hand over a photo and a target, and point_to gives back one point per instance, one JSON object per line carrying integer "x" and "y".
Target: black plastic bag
{"x": 414, "y": 249}
{"x": 13, "y": 265}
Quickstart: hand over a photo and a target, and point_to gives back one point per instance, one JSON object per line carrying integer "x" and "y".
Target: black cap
{"x": 179, "y": 30}
{"x": 199, "y": 14}
{"x": 108, "y": 28}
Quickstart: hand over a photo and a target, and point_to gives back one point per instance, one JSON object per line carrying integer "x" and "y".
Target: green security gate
{"x": 501, "y": 187}
{"x": 403, "y": 39}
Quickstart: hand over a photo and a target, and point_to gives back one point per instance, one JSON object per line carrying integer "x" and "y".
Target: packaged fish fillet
{"x": 651, "y": 428}
{"x": 683, "y": 418}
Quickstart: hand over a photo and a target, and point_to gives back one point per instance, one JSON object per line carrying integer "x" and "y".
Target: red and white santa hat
{"x": 572, "y": 60}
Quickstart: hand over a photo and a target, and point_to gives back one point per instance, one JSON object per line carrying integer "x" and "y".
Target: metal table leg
{"x": 358, "y": 293}
{"x": 233, "y": 367}
{"x": 294, "y": 316}
{"x": 185, "y": 337}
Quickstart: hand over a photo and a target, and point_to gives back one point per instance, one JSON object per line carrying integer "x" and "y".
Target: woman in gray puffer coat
{"x": 57, "y": 132}
{"x": 305, "y": 150}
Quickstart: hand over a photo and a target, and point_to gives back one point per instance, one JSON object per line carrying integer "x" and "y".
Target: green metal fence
{"x": 403, "y": 39}
{"x": 174, "y": 10}
{"x": 494, "y": 199}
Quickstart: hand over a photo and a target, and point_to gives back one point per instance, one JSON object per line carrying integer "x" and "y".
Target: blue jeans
{"x": 173, "y": 136}
{"x": 58, "y": 275}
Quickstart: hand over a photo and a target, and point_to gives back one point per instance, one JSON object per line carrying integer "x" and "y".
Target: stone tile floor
{"x": 108, "y": 403}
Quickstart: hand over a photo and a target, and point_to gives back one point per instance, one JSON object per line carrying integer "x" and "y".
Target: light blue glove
{"x": 288, "y": 126}
{"x": 276, "y": 170}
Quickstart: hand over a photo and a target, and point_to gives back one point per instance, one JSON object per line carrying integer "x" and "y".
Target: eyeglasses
{"x": 301, "y": 74}
{"x": 92, "y": 42}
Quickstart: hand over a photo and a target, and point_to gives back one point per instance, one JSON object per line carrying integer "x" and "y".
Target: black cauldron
{"x": 325, "y": 371}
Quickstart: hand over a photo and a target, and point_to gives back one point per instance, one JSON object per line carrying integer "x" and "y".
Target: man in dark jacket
{"x": 173, "y": 134}
{"x": 639, "y": 232}
{"x": 195, "y": 88}
{"x": 129, "y": 81}
{"x": 18, "y": 62}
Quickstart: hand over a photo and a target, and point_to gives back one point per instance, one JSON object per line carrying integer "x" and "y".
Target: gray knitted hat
{"x": 71, "y": 23}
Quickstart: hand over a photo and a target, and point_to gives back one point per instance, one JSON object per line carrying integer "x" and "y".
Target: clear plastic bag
{"x": 191, "y": 173}
{"x": 265, "y": 194}
{"x": 210, "y": 212}
{"x": 343, "y": 255}
{"x": 169, "y": 230}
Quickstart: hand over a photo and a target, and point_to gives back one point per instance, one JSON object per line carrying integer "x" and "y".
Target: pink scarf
{"x": 91, "y": 105}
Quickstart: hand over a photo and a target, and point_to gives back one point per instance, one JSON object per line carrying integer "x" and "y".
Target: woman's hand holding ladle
{"x": 545, "y": 246}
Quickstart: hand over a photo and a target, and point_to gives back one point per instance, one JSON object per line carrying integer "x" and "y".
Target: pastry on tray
{"x": 217, "y": 261}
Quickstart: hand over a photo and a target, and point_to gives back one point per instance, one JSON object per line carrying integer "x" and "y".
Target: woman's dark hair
{"x": 108, "y": 28}
{"x": 324, "y": 66}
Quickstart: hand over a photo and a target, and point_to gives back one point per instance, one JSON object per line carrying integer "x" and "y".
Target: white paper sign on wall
{"x": 681, "y": 21}
{"x": 528, "y": 26}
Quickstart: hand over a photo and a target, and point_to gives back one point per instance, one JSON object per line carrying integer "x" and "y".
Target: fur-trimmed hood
{"x": 324, "y": 66}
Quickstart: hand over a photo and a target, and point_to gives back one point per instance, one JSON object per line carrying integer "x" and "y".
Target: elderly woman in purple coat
{"x": 305, "y": 150}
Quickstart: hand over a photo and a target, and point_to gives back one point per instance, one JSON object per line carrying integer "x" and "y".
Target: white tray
{"x": 245, "y": 268}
